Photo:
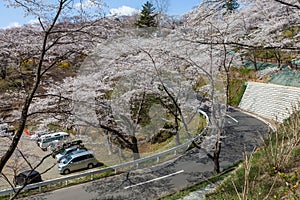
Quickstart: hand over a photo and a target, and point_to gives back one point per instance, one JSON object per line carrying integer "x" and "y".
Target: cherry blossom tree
{"x": 129, "y": 80}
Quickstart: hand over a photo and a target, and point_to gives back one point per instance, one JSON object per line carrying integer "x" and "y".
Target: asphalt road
{"x": 242, "y": 131}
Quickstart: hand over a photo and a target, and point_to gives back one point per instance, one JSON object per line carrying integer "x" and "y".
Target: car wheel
{"x": 66, "y": 171}
{"x": 90, "y": 166}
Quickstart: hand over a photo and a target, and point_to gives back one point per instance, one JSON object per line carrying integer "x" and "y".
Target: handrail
{"x": 114, "y": 167}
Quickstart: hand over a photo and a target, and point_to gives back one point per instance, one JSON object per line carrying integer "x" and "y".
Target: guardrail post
{"x": 157, "y": 159}
{"x": 175, "y": 152}
{"x": 40, "y": 188}
{"x": 92, "y": 176}
{"x": 66, "y": 182}
{"x": 137, "y": 165}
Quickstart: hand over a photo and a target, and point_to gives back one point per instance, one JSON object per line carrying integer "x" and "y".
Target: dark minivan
{"x": 31, "y": 176}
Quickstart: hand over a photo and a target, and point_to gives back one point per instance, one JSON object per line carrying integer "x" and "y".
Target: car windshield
{"x": 66, "y": 160}
{"x": 63, "y": 152}
{"x": 67, "y": 151}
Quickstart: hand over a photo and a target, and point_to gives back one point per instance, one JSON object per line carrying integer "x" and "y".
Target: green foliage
{"x": 64, "y": 65}
{"x": 147, "y": 18}
{"x": 290, "y": 32}
{"x": 233, "y": 186}
{"x": 162, "y": 136}
{"x": 201, "y": 124}
{"x": 53, "y": 127}
{"x": 200, "y": 82}
{"x": 27, "y": 66}
{"x": 140, "y": 105}
{"x": 237, "y": 88}
{"x": 245, "y": 71}
{"x": 292, "y": 184}
{"x": 231, "y": 5}
{"x": 4, "y": 86}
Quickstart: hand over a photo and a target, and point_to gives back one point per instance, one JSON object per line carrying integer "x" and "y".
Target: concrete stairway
{"x": 271, "y": 101}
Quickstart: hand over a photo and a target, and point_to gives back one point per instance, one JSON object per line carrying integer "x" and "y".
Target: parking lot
{"x": 34, "y": 154}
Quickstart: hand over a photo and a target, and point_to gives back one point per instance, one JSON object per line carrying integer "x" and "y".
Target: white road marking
{"x": 232, "y": 118}
{"x": 152, "y": 180}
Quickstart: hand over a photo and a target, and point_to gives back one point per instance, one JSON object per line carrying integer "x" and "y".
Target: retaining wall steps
{"x": 271, "y": 101}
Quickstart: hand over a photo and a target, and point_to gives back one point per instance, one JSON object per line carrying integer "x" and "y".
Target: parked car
{"x": 36, "y": 135}
{"x": 72, "y": 153}
{"x": 77, "y": 161}
{"x": 67, "y": 151}
{"x": 66, "y": 144}
{"x": 31, "y": 176}
{"x": 6, "y": 130}
{"x": 47, "y": 140}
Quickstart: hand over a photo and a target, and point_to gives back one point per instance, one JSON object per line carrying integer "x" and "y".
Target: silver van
{"x": 69, "y": 151}
{"x": 77, "y": 161}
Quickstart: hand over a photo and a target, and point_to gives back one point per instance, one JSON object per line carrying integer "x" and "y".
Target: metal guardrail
{"x": 114, "y": 167}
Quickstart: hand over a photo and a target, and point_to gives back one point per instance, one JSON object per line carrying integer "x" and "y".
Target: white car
{"x": 68, "y": 151}
{"x": 47, "y": 140}
{"x": 38, "y": 134}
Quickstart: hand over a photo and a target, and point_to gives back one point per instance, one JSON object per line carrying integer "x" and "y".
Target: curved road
{"x": 242, "y": 131}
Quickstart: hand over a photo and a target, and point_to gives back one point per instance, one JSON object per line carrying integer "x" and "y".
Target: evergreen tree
{"x": 147, "y": 18}
{"x": 231, "y": 5}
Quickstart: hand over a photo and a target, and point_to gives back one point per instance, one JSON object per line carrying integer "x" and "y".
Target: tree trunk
{"x": 177, "y": 129}
{"x": 216, "y": 157}
{"x": 3, "y": 72}
{"x": 135, "y": 149}
{"x": 255, "y": 62}
{"x": 108, "y": 143}
{"x": 227, "y": 89}
{"x": 177, "y": 135}
{"x": 278, "y": 58}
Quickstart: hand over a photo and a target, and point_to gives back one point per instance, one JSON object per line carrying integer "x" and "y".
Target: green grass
{"x": 237, "y": 88}
{"x": 196, "y": 125}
